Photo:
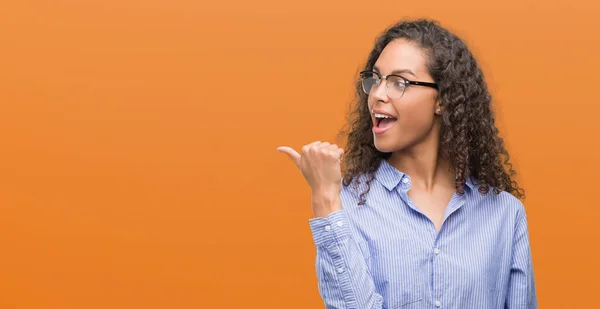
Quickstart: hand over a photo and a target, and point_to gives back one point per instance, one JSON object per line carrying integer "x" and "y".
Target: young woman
{"x": 427, "y": 213}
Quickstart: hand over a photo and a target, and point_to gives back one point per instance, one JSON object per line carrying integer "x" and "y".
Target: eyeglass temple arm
{"x": 433, "y": 85}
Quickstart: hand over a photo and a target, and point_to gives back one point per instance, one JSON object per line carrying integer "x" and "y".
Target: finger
{"x": 331, "y": 153}
{"x": 307, "y": 147}
{"x": 323, "y": 146}
{"x": 341, "y": 153}
{"x": 334, "y": 147}
{"x": 336, "y": 152}
{"x": 295, "y": 156}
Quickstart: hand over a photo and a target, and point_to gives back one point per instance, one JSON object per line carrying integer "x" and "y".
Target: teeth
{"x": 382, "y": 116}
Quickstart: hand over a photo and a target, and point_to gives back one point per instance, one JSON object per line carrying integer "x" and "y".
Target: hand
{"x": 320, "y": 164}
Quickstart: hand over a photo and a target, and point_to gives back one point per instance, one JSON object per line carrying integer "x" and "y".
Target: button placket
{"x": 436, "y": 269}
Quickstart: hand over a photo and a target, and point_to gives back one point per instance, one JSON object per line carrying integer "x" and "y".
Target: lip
{"x": 379, "y": 111}
{"x": 377, "y": 130}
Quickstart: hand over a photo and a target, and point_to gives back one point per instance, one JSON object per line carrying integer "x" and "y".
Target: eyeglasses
{"x": 394, "y": 84}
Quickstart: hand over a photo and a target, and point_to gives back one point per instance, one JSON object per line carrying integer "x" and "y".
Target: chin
{"x": 393, "y": 141}
{"x": 388, "y": 146}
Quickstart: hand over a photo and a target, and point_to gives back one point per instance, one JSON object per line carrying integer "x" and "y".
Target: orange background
{"x": 138, "y": 166}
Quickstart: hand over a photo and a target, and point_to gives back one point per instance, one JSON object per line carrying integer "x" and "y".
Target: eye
{"x": 396, "y": 82}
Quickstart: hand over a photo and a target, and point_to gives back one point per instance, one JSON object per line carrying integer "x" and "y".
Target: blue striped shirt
{"x": 387, "y": 254}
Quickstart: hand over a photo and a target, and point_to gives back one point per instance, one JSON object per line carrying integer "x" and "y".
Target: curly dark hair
{"x": 469, "y": 138}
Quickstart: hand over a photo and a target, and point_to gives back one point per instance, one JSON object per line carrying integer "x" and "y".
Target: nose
{"x": 378, "y": 93}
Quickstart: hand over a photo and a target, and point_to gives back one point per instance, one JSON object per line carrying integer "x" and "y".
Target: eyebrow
{"x": 397, "y": 71}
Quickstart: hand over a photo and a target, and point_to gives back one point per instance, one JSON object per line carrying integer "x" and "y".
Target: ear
{"x": 438, "y": 107}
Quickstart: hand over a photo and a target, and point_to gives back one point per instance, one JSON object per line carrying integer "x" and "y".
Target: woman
{"x": 427, "y": 213}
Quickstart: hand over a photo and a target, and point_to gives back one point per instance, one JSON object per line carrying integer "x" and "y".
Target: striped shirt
{"x": 387, "y": 253}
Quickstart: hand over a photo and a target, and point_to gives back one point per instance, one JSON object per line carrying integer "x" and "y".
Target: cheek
{"x": 415, "y": 118}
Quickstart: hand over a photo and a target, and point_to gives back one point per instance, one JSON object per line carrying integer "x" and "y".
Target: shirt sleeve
{"x": 344, "y": 280}
{"x": 521, "y": 285}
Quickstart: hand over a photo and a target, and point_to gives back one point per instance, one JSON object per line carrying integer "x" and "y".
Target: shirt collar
{"x": 390, "y": 176}
{"x": 470, "y": 183}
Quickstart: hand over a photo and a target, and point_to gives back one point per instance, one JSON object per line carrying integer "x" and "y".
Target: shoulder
{"x": 506, "y": 199}
{"x": 351, "y": 192}
{"x": 356, "y": 184}
{"x": 357, "y": 189}
{"x": 503, "y": 205}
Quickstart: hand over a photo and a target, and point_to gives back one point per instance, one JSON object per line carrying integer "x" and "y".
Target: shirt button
{"x": 436, "y": 251}
{"x": 405, "y": 180}
{"x": 340, "y": 270}
{"x": 339, "y": 223}
{"x": 438, "y": 303}
{"x": 328, "y": 228}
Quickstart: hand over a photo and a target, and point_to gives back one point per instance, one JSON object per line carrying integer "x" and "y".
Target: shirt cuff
{"x": 333, "y": 227}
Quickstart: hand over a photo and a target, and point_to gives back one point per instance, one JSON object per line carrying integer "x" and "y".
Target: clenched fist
{"x": 320, "y": 163}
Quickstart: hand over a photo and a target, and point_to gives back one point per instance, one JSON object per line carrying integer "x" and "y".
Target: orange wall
{"x": 138, "y": 166}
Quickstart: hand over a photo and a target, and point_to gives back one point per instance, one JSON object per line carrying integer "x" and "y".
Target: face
{"x": 414, "y": 114}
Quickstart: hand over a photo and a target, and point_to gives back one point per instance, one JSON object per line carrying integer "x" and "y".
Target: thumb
{"x": 291, "y": 153}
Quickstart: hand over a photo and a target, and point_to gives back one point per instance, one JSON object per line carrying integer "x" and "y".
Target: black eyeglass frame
{"x": 406, "y": 80}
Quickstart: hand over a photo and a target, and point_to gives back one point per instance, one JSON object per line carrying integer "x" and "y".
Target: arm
{"x": 344, "y": 279}
{"x": 521, "y": 284}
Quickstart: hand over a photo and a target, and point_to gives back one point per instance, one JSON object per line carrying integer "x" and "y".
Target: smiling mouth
{"x": 384, "y": 121}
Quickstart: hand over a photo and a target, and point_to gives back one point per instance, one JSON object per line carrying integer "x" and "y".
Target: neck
{"x": 424, "y": 165}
